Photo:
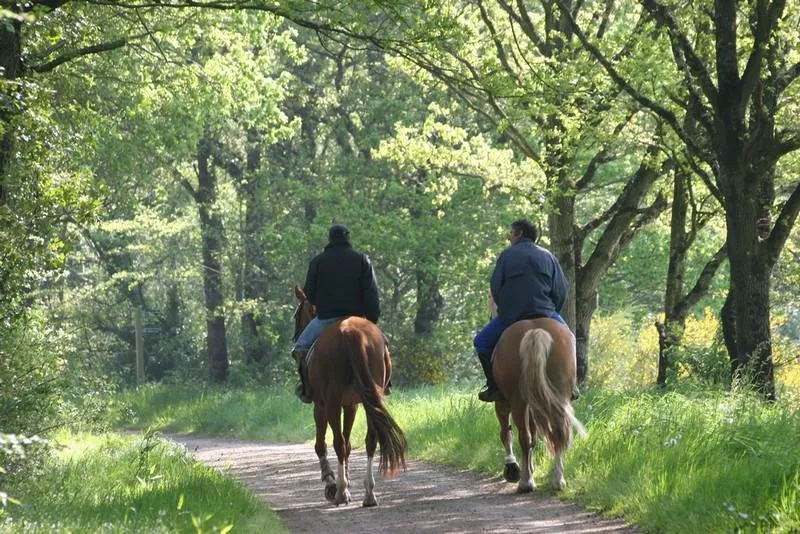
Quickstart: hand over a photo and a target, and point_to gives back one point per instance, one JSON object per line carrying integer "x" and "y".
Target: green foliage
{"x": 31, "y": 377}
{"x": 20, "y": 457}
{"x": 702, "y": 353}
{"x": 123, "y": 484}
{"x": 420, "y": 360}
{"x": 624, "y": 355}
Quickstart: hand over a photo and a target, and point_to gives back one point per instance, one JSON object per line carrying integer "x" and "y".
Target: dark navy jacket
{"x": 341, "y": 282}
{"x": 527, "y": 281}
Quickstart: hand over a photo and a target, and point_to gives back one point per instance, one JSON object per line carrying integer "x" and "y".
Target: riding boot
{"x": 302, "y": 390}
{"x": 490, "y": 393}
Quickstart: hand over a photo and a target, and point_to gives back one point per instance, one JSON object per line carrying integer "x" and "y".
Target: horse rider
{"x": 527, "y": 283}
{"x": 340, "y": 282}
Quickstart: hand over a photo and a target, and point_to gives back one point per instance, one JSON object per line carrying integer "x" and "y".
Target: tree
{"x": 517, "y": 68}
{"x": 745, "y": 128}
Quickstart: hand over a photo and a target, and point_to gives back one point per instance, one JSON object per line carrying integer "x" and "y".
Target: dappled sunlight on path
{"x": 427, "y": 498}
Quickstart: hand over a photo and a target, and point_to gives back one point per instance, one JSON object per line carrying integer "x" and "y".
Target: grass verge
{"x": 113, "y": 483}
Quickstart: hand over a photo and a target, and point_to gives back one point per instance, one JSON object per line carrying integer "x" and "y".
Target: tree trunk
{"x": 586, "y": 304}
{"x": 253, "y": 268}
{"x": 138, "y": 329}
{"x": 11, "y": 65}
{"x": 627, "y": 219}
{"x": 750, "y": 279}
{"x": 561, "y": 223}
{"x": 429, "y": 299}
{"x": 212, "y": 238}
{"x": 671, "y": 331}
{"x": 728, "y": 321}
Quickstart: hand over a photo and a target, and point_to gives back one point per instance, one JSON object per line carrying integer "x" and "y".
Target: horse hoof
{"x": 330, "y": 492}
{"x": 559, "y": 484}
{"x": 524, "y": 488}
{"x": 342, "y": 499}
{"x": 369, "y": 502}
{"x": 511, "y": 472}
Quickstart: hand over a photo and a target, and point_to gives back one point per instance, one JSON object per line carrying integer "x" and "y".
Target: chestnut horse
{"x": 350, "y": 365}
{"x": 534, "y": 367}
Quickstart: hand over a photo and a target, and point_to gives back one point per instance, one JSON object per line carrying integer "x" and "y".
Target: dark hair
{"x": 527, "y": 228}
{"x": 338, "y": 232}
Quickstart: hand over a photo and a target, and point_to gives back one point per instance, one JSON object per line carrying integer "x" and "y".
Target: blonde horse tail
{"x": 390, "y": 437}
{"x": 550, "y": 410}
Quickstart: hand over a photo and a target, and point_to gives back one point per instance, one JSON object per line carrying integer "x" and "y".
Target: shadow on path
{"x": 428, "y": 498}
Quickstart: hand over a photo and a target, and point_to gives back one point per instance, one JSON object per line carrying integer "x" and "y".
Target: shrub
{"x": 622, "y": 357}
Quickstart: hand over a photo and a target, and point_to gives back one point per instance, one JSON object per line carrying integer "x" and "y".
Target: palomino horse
{"x": 349, "y": 365}
{"x": 535, "y": 370}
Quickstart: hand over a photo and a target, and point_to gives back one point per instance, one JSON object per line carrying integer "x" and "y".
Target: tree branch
{"x": 786, "y": 78}
{"x": 634, "y": 189}
{"x": 659, "y": 110}
{"x": 693, "y": 61}
{"x": 783, "y": 226}
{"x": 787, "y": 141}
{"x": 501, "y": 52}
{"x": 523, "y": 19}
{"x": 703, "y": 282}
{"x": 69, "y": 56}
{"x": 765, "y": 24}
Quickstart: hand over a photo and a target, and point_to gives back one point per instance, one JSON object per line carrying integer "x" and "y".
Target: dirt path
{"x": 427, "y": 498}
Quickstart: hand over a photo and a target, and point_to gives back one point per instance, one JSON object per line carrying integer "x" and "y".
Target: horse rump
{"x": 550, "y": 407}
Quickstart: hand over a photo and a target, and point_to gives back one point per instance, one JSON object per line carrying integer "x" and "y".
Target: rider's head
{"x": 338, "y": 232}
{"x": 523, "y": 228}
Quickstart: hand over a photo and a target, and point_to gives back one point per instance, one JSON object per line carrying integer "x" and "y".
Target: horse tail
{"x": 551, "y": 412}
{"x": 390, "y": 436}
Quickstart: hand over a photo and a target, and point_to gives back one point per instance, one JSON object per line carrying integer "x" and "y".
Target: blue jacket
{"x": 341, "y": 282}
{"x": 527, "y": 281}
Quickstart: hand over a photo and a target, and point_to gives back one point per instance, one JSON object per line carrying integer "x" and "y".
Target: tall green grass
{"x": 691, "y": 462}
{"x": 267, "y": 414}
{"x": 113, "y": 483}
{"x": 696, "y": 461}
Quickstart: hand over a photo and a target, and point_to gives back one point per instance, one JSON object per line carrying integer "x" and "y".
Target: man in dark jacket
{"x": 340, "y": 282}
{"x": 527, "y": 283}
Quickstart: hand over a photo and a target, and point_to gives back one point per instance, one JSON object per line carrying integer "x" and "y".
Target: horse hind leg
{"x": 349, "y": 419}
{"x": 328, "y": 478}
{"x": 524, "y": 429}
{"x": 369, "y": 477}
{"x": 558, "y": 481}
{"x": 339, "y": 444}
{"x": 511, "y": 468}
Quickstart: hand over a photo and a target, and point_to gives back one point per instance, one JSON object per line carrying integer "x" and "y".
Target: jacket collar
{"x": 336, "y": 244}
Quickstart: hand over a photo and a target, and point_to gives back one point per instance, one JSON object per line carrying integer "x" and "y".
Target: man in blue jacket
{"x": 340, "y": 282}
{"x": 527, "y": 283}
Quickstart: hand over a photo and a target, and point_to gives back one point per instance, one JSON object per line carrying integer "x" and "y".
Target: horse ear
{"x": 298, "y": 292}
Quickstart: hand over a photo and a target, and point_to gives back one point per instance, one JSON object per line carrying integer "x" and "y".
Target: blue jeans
{"x": 312, "y": 331}
{"x": 488, "y": 336}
